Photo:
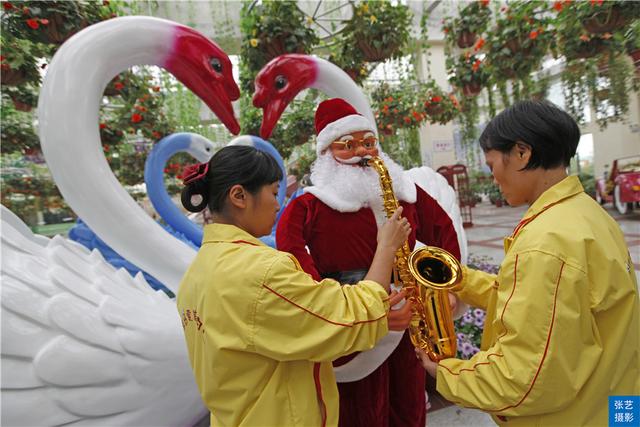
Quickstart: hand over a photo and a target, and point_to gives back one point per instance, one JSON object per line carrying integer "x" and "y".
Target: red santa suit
{"x": 332, "y": 228}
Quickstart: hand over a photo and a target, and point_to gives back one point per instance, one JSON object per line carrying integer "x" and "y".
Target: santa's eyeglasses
{"x": 367, "y": 143}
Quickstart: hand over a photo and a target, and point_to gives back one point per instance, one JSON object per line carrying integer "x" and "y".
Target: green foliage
{"x": 521, "y": 38}
{"x": 19, "y": 61}
{"x": 17, "y": 131}
{"x": 588, "y": 182}
{"x": 294, "y": 128}
{"x": 379, "y": 29}
{"x": 437, "y": 105}
{"x": 395, "y": 107}
{"x": 53, "y": 21}
{"x": 473, "y": 19}
{"x": 271, "y": 28}
{"x": 403, "y": 146}
{"x": 467, "y": 69}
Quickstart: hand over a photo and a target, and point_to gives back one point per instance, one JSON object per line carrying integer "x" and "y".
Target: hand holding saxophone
{"x": 399, "y": 319}
{"x": 395, "y": 231}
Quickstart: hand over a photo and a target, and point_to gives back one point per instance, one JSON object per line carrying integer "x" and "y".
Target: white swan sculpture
{"x": 83, "y": 343}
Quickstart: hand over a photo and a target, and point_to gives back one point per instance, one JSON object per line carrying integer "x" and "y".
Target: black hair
{"x": 232, "y": 165}
{"x": 552, "y": 134}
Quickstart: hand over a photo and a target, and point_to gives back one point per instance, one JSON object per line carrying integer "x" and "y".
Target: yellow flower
{"x": 363, "y": 71}
{"x": 365, "y": 8}
{"x": 373, "y": 19}
{"x": 253, "y": 42}
{"x": 309, "y": 20}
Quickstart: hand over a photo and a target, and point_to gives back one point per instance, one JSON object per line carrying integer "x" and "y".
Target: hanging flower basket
{"x": 588, "y": 49}
{"x": 635, "y": 56}
{"x": 471, "y": 89}
{"x": 276, "y": 46}
{"x": 371, "y": 53}
{"x": 466, "y": 39}
{"x": 22, "y": 106}
{"x": 605, "y": 21}
{"x": 11, "y": 77}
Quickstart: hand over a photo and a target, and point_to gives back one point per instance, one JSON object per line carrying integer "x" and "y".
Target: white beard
{"x": 348, "y": 188}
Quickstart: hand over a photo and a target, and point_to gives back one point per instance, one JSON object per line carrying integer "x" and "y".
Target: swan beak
{"x": 271, "y": 113}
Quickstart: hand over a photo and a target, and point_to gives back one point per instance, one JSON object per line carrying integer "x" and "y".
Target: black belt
{"x": 349, "y": 277}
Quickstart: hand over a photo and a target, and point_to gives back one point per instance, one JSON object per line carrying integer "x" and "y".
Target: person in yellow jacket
{"x": 260, "y": 332}
{"x": 562, "y": 327}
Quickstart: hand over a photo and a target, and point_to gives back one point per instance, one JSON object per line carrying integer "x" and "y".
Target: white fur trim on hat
{"x": 341, "y": 127}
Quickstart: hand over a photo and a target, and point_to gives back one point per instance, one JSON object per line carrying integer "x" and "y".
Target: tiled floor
{"x": 490, "y": 226}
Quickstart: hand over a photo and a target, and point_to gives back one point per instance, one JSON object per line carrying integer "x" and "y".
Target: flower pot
{"x": 55, "y": 33}
{"x": 11, "y": 77}
{"x": 374, "y": 54}
{"x": 22, "y": 106}
{"x": 471, "y": 89}
{"x": 587, "y": 49}
{"x": 276, "y": 46}
{"x": 635, "y": 56}
{"x": 605, "y": 21}
{"x": 434, "y": 109}
{"x": 513, "y": 45}
{"x": 466, "y": 39}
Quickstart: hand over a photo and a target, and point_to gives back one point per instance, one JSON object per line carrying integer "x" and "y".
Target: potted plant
{"x": 437, "y": 105}
{"x": 471, "y": 21}
{"x": 24, "y": 97}
{"x": 52, "y": 21}
{"x": 396, "y": 107}
{"x": 350, "y": 59}
{"x": 599, "y": 17}
{"x": 379, "y": 29}
{"x": 519, "y": 41}
{"x": 17, "y": 132}
{"x": 467, "y": 73}
{"x": 18, "y": 61}
{"x": 269, "y": 29}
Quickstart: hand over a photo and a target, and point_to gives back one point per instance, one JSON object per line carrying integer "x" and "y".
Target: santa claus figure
{"x": 331, "y": 229}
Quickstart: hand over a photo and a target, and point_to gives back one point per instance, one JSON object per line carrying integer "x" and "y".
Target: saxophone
{"x": 426, "y": 274}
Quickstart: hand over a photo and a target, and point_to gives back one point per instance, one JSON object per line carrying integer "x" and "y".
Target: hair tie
{"x": 194, "y": 172}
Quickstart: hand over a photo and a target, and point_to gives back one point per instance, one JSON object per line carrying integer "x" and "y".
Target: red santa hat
{"x": 335, "y": 118}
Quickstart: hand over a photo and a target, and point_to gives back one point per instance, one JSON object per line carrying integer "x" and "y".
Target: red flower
{"x": 136, "y": 118}
{"x": 103, "y": 125}
{"x": 7, "y": 6}
{"x": 118, "y": 85}
{"x": 407, "y": 120}
{"x": 156, "y": 134}
{"x": 533, "y": 35}
{"x": 156, "y": 88}
{"x": 436, "y": 98}
{"x": 479, "y": 43}
{"x": 476, "y": 65}
{"x": 106, "y": 147}
{"x": 44, "y": 21}
{"x": 1, "y": 58}
{"x": 417, "y": 116}
{"x": 485, "y": 3}
{"x": 33, "y": 23}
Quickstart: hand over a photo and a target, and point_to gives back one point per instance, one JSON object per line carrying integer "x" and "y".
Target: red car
{"x": 622, "y": 185}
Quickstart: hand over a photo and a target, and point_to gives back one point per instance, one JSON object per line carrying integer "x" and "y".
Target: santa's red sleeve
{"x": 435, "y": 226}
{"x": 290, "y": 234}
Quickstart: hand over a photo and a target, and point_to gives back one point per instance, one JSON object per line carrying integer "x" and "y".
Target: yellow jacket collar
{"x": 568, "y": 187}
{"x": 228, "y": 233}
